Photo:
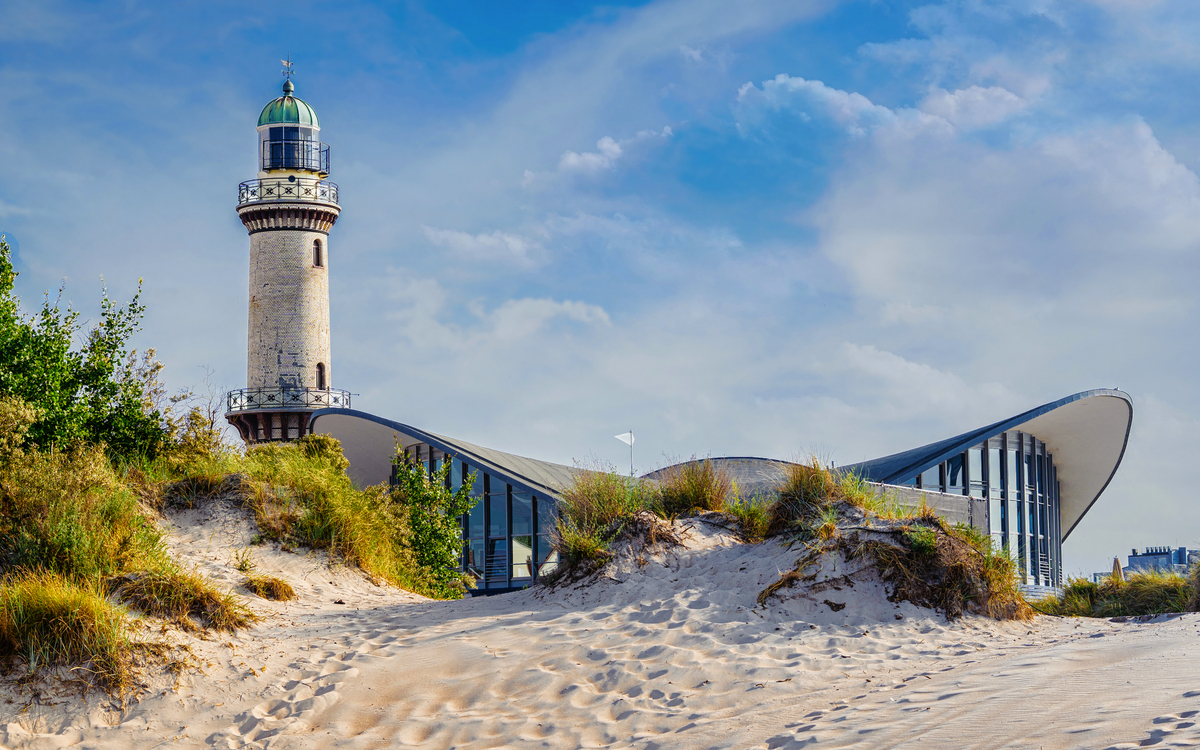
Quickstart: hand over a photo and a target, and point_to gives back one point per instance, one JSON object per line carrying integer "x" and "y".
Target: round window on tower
{"x": 318, "y": 258}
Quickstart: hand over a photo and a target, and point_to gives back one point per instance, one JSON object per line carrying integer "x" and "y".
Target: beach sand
{"x": 666, "y": 649}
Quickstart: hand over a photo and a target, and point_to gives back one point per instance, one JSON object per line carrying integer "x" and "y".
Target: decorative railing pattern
{"x": 312, "y": 156}
{"x": 258, "y": 399}
{"x": 296, "y": 189}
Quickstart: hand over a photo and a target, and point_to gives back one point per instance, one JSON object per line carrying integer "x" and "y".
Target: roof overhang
{"x": 1087, "y": 434}
{"x": 370, "y": 442}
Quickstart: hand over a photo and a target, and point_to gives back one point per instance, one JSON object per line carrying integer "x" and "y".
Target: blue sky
{"x": 757, "y": 228}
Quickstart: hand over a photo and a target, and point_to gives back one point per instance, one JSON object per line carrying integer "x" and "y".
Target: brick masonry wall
{"x": 289, "y": 310}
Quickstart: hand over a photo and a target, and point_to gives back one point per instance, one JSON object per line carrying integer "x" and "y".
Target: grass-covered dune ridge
{"x": 81, "y": 548}
{"x": 824, "y": 512}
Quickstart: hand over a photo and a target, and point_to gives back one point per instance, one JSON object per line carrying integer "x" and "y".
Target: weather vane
{"x": 287, "y": 67}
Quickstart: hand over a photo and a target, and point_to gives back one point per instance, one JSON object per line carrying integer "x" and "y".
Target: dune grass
{"x": 48, "y": 620}
{"x": 183, "y": 597}
{"x": 1142, "y": 593}
{"x": 696, "y": 485}
{"x": 270, "y": 587}
{"x": 753, "y": 515}
{"x": 594, "y": 509}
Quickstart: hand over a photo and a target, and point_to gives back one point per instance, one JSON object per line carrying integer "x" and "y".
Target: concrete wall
{"x": 289, "y": 310}
{"x": 954, "y": 508}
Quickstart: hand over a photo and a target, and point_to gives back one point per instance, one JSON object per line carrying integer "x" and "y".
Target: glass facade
{"x": 1016, "y": 475}
{"x": 507, "y": 534}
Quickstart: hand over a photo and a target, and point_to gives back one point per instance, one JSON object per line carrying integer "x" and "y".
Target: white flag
{"x": 625, "y": 437}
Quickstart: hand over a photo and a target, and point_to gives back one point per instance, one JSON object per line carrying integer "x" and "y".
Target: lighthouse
{"x": 289, "y": 210}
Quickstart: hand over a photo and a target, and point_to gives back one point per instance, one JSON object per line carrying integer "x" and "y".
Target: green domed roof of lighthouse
{"x": 288, "y": 110}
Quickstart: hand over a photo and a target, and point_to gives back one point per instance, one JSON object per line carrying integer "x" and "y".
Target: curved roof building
{"x": 1027, "y": 481}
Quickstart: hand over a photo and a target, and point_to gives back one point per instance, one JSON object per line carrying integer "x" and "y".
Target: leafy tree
{"x": 433, "y": 518}
{"x": 94, "y": 392}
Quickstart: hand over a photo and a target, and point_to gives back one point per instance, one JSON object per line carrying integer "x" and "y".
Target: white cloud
{"x": 494, "y": 246}
{"x": 607, "y": 152}
{"x": 517, "y": 319}
{"x": 973, "y": 107}
{"x": 852, "y": 111}
{"x": 691, "y": 54}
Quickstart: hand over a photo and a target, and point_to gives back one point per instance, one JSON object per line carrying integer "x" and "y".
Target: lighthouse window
{"x": 318, "y": 260}
{"x": 321, "y": 376}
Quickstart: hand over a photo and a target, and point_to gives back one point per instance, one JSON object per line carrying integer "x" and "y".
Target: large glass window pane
{"x": 475, "y": 522}
{"x": 1014, "y": 485}
{"x": 995, "y": 473}
{"x": 475, "y": 559}
{"x": 522, "y": 556}
{"x": 456, "y": 474}
{"x": 1012, "y": 521}
{"x": 547, "y": 556}
{"x": 522, "y": 513}
{"x": 996, "y": 521}
{"x": 931, "y": 478}
{"x": 498, "y": 514}
{"x": 545, "y": 512}
{"x": 954, "y": 474}
{"x": 975, "y": 469}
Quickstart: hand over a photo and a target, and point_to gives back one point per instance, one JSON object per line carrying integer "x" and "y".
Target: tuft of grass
{"x": 594, "y": 509}
{"x": 184, "y": 598}
{"x": 810, "y": 489}
{"x": 48, "y": 620}
{"x": 242, "y": 560}
{"x": 752, "y": 514}
{"x": 694, "y": 485}
{"x": 270, "y": 587}
{"x": 1143, "y": 593}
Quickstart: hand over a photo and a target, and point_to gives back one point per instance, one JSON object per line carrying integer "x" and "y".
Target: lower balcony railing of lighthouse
{"x": 287, "y": 189}
{"x": 266, "y": 414}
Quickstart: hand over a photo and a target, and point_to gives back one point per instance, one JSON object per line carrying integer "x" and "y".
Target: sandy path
{"x": 670, "y": 654}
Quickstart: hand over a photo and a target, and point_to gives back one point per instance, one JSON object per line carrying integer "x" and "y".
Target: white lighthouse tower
{"x": 288, "y": 210}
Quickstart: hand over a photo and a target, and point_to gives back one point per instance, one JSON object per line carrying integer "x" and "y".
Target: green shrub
{"x": 433, "y": 513}
{"x": 694, "y": 485}
{"x": 93, "y": 393}
{"x": 47, "y": 620}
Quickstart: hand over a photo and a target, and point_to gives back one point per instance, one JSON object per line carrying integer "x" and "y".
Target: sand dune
{"x": 670, "y": 653}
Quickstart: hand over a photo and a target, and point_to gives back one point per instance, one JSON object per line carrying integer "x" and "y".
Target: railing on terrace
{"x": 259, "y": 399}
{"x": 256, "y": 191}
{"x": 308, "y": 155}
